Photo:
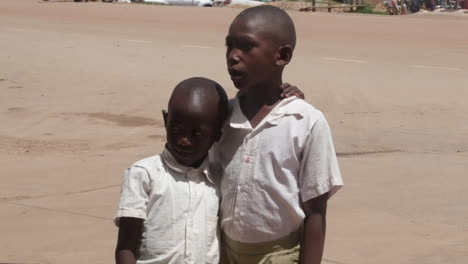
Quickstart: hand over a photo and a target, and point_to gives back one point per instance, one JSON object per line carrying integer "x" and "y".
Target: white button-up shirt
{"x": 289, "y": 158}
{"x": 179, "y": 205}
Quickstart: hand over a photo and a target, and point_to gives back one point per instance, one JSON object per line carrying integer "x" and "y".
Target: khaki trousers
{"x": 281, "y": 251}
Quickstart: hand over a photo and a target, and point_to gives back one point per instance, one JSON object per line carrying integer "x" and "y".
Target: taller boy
{"x": 278, "y": 158}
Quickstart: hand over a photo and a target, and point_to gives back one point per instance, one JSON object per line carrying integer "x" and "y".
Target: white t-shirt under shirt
{"x": 289, "y": 158}
{"x": 179, "y": 205}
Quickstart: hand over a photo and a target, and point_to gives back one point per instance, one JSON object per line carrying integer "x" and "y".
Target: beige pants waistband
{"x": 287, "y": 242}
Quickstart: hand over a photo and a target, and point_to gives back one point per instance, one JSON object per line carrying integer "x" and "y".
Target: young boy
{"x": 277, "y": 156}
{"x": 169, "y": 203}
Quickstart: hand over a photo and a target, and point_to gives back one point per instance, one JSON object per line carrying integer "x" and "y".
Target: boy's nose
{"x": 233, "y": 56}
{"x": 184, "y": 141}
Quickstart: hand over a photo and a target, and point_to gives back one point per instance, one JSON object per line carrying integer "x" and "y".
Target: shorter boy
{"x": 168, "y": 211}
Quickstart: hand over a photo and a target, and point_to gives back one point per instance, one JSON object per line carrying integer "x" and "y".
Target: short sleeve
{"x": 319, "y": 171}
{"x": 134, "y": 194}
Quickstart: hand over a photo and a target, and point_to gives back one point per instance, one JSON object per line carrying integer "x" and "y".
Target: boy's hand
{"x": 289, "y": 90}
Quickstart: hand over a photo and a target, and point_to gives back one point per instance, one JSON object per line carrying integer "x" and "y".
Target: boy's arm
{"x": 314, "y": 229}
{"x": 131, "y": 213}
{"x": 320, "y": 178}
{"x": 129, "y": 239}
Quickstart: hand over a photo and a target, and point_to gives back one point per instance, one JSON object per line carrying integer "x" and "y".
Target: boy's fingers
{"x": 285, "y": 86}
{"x": 287, "y": 89}
{"x": 300, "y": 95}
{"x": 287, "y": 92}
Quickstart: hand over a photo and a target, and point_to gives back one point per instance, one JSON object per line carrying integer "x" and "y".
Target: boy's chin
{"x": 188, "y": 162}
{"x": 237, "y": 85}
{"x": 240, "y": 84}
{"x": 242, "y": 88}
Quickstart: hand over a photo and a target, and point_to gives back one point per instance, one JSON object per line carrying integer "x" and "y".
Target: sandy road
{"x": 82, "y": 86}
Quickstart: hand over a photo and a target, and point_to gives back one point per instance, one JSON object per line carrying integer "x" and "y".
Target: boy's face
{"x": 192, "y": 126}
{"x": 251, "y": 52}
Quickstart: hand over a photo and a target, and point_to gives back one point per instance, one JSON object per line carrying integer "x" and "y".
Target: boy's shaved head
{"x": 199, "y": 92}
{"x": 273, "y": 20}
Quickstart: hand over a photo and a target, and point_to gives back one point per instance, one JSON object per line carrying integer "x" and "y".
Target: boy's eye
{"x": 199, "y": 133}
{"x": 176, "y": 130}
{"x": 242, "y": 45}
{"x": 246, "y": 46}
{"x": 228, "y": 44}
{"x": 228, "y": 48}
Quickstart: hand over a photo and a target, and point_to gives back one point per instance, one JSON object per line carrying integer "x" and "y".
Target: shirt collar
{"x": 283, "y": 108}
{"x": 172, "y": 164}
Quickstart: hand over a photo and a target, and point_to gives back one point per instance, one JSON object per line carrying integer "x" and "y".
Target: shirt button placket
{"x": 252, "y": 158}
{"x": 246, "y": 162}
{"x": 189, "y": 225}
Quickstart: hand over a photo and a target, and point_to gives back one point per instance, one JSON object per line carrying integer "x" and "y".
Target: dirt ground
{"x": 82, "y": 86}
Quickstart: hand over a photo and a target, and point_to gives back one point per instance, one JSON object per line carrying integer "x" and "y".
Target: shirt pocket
{"x": 212, "y": 239}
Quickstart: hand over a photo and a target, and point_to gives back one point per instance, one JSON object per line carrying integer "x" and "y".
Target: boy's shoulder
{"x": 297, "y": 106}
{"x": 150, "y": 164}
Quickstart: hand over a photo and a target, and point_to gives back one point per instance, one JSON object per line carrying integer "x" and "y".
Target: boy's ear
{"x": 164, "y": 113}
{"x": 284, "y": 55}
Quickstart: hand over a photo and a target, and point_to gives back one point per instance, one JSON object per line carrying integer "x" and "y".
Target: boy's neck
{"x": 258, "y": 101}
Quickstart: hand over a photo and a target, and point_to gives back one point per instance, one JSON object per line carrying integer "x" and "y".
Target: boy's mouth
{"x": 183, "y": 152}
{"x": 235, "y": 74}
